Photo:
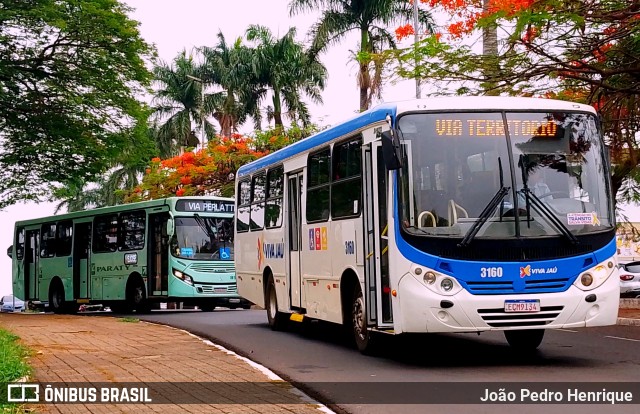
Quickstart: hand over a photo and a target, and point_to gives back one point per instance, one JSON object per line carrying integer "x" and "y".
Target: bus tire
{"x": 135, "y": 295}
{"x": 526, "y": 340}
{"x": 362, "y": 336}
{"x": 56, "y": 297}
{"x": 275, "y": 318}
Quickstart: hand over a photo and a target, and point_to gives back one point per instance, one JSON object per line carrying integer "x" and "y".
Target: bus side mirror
{"x": 10, "y": 252}
{"x": 391, "y": 150}
{"x": 170, "y": 227}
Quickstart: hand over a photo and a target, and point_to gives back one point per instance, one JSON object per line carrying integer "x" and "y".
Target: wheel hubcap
{"x": 138, "y": 295}
{"x": 358, "y": 317}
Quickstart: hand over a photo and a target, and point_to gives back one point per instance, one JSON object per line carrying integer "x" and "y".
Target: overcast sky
{"x": 173, "y": 25}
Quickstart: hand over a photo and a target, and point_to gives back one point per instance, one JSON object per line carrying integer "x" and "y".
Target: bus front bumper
{"x": 422, "y": 310}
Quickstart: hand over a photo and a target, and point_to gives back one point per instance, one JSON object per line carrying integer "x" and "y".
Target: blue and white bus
{"x": 463, "y": 214}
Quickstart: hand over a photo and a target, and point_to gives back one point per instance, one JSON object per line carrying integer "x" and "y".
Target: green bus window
{"x": 48, "y": 240}
{"x": 258, "y": 187}
{"x": 64, "y": 234}
{"x": 105, "y": 233}
{"x": 318, "y": 190}
{"x": 20, "y": 244}
{"x": 244, "y": 201}
{"x": 132, "y": 225}
{"x": 275, "y": 189}
{"x": 346, "y": 187}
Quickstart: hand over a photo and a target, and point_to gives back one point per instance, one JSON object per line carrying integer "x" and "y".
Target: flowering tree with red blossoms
{"x": 580, "y": 50}
{"x": 210, "y": 171}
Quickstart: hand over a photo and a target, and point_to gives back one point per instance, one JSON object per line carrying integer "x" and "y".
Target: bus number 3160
{"x": 490, "y": 272}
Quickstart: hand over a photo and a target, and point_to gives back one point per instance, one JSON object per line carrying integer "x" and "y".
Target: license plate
{"x": 220, "y": 290}
{"x": 234, "y": 300}
{"x": 525, "y": 305}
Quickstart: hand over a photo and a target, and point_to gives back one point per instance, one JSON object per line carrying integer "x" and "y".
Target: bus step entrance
{"x": 296, "y": 317}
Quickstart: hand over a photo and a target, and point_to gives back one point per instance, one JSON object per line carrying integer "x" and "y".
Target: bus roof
{"x": 380, "y": 112}
{"x": 170, "y": 201}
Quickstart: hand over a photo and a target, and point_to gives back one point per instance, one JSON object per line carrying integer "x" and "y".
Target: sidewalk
{"x": 106, "y": 349}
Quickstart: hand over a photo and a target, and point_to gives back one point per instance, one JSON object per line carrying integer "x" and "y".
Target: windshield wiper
{"x": 532, "y": 199}
{"x": 484, "y": 216}
{"x": 488, "y": 210}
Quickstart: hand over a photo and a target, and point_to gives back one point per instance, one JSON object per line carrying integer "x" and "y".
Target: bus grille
{"x": 216, "y": 289}
{"x": 214, "y": 267}
{"x": 505, "y": 287}
{"x": 498, "y": 318}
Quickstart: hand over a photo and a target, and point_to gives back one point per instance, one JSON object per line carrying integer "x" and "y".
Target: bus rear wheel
{"x": 275, "y": 318}
{"x": 361, "y": 335}
{"x": 526, "y": 340}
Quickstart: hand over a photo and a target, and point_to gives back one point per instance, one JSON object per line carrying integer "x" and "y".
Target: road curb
{"x": 628, "y": 322}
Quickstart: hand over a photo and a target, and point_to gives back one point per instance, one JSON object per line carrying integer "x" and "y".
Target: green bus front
{"x": 201, "y": 256}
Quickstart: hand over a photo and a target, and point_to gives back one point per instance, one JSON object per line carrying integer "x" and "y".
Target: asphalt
{"x": 183, "y": 372}
{"x": 199, "y": 376}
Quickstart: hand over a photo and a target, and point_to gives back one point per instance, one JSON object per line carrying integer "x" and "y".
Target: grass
{"x": 129, "y": 320}
{"x": 13, "y": 366}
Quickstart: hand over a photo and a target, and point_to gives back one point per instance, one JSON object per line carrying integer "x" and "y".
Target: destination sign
{"x": 205, "y": 206}
{"x": 494, "y": 127}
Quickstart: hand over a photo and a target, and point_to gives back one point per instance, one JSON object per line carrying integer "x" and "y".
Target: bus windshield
{"x": 540, "y": 174}
{"x": 203, "y": 238}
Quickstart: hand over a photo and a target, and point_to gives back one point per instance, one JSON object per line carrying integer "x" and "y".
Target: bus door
{"x": 294, "y": 224}
{"x": 81, "y": 260}
{"x": 158, "y": 255}
{"x": 31, "y": 271}
{"x": 377, "y": 290}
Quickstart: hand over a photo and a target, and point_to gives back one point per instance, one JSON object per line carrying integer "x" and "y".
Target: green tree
{"x": 125, "y": 172}
{"x": 371, "y": 19}
{"x": 178, "y": 105}
{"x": 284, "y": 68}
{"x": 69, "y": 75}
{"x": 229, "y": 67}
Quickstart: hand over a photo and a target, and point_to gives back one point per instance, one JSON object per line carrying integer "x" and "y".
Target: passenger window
{"x": 346, "y": 188}
{"x": 258, "y": 187}
{"x": 275, "y": 188}
{"x": 318, "y": 186}
{"x": 48, "y": 240}
{"x": 65, "y": 237}
{"x": 132, "y": 226}
{"x": 244, "y": 206}
{"x": 105, "y": 233}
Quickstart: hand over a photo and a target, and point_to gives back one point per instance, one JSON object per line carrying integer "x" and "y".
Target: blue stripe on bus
{"x": 543, "y": 276}
{"x": 377, "y": 114}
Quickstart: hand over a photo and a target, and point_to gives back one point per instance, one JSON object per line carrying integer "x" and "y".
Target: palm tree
{"x": 371, "y": 19}
{"x": 180, "y": 104}
{"x": 229, "y": 67}
{"x": 283, "y": 66}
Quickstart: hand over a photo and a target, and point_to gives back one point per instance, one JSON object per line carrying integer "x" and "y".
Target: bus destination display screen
{"x": 205, "y": 206}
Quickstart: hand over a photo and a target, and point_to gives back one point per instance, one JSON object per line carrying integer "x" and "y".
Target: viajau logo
{"x": 528, "y": 271}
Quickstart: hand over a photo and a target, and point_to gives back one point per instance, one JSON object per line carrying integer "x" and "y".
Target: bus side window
{"x": 105, "y": 233}
{"x": 48, "y": 240}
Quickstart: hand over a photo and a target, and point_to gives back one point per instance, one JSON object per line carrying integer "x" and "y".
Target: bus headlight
{"x": 446, "y": 284}
{"x": 436, "y": 282}
{"x": 183, "y": 276}
{"x": 594, "y": 277}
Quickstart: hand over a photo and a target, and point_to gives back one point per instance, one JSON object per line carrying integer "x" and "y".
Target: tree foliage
{"x": 580, "y": 50}
{"x": 211, "y": 171}
{"x": 371, "y": 19}
{"x": 69, "y": 74}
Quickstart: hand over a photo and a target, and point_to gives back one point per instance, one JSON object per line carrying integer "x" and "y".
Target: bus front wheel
{"x": 56, "y": 297}
{"x": 135, "y": 295}
{"x": 276, "y": 319}
{"x": 524, "y": 340}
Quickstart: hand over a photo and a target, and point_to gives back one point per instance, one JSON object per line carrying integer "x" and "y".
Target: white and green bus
{"x": 129, "y": 256}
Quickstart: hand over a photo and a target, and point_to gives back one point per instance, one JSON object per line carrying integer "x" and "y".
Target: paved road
{"x": 316, "y": 358}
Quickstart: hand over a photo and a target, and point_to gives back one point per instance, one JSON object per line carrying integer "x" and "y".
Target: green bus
{"x": 129, "y": 256}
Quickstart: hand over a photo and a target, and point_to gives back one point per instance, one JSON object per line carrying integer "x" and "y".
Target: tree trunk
{"x": 490, "y": 49}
